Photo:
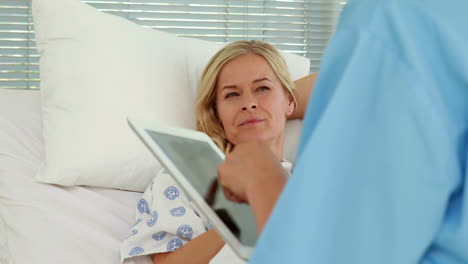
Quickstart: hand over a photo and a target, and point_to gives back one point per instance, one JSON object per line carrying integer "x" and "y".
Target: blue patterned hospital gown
{"x": 164, "y": 220}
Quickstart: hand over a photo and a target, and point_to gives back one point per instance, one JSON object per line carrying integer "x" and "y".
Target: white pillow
{"x": 97, "y": 69}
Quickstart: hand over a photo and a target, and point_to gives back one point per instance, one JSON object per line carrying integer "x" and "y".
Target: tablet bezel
{"x": 140, "y": 127}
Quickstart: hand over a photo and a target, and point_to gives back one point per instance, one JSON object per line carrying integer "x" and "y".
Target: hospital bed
{"x": 45, "y": 222}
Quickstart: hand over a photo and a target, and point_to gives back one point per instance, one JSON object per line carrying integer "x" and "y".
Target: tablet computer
{"x": 192, "y": 159}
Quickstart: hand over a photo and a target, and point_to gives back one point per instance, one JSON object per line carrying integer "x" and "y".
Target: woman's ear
{"x": 291, "y": 105}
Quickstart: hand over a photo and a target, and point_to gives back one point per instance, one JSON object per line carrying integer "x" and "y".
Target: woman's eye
{"x": 263, "y": 88}
{"x": 229, "y": 95}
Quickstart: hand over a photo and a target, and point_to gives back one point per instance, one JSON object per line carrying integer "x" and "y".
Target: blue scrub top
{"x": 381, "y": 173}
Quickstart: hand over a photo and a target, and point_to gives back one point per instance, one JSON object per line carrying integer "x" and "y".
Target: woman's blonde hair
{"x": 207, "y": 118}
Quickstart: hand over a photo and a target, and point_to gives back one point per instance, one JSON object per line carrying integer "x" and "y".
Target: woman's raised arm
{"x": 304, "y": 87}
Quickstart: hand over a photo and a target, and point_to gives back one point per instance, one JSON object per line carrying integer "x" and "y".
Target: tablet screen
{"x": 198, "y": 162}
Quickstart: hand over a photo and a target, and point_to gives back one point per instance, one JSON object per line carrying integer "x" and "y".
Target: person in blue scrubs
{"x": 381, "y": 170}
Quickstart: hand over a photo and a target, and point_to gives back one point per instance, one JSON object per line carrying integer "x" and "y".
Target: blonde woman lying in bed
{"x": 246, "y": 94}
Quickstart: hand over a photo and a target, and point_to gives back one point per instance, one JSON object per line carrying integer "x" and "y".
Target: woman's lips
{"x": 251, "y": 122}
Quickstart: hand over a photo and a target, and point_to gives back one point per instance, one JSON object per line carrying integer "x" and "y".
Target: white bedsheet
{"x": 4, "y": 251}
{"x": 52, "y": 224}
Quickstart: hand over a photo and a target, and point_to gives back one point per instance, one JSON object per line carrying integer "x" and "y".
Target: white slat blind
{"x": 19, "y": 61}
{"x": 302, "y": 27}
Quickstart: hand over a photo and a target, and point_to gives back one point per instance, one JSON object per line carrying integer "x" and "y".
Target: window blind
{"x": 302, "y": 27}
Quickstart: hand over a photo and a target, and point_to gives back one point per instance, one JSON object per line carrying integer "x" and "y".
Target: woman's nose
{"x": 250, "y": 106}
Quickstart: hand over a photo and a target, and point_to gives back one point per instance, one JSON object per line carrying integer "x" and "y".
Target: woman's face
{"x": 251, "y": 102}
